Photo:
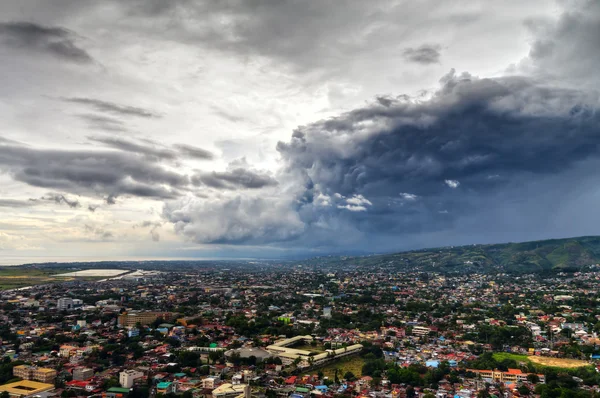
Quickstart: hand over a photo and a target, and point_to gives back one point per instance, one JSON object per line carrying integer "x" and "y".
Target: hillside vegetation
{"x": 544, "y": 255}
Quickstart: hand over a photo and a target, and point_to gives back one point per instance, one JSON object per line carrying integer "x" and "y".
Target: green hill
{"x": 536, "y": 256}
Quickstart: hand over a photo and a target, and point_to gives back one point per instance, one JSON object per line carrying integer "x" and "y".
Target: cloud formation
{"x": 425, "y": 54}
{"x": 421, "y": 164}
{"x": 90, "y": 172}
{"x": 56, "y": 41}
{"x": 234, "y": 179}
{"x": 194, "y": 152}
{"x": 61, "y": 198}
{"x": 110, "y": 107}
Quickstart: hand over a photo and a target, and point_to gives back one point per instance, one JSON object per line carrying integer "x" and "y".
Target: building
{"x": 128, "y": 377}
{"x": 67, "y": 351}
{"x": 190, "y": 320}
{"x": 512, "y": 375}
{"x": 67, "y": 303}
{"x": 327, "y": 312}
{"x": 420, "y": 331}
{"x": 43, "y": 375}
{"x": 229, "y": 390}
{"x": 82, "y": 373}
{"x": 144, "y": 318}
{"x": 116, "y": 392}
{"x": 289, "y": 355}
{"x": 165, "y": 387}
{"x": 133, "y": 332}
{"x": 64, "y": 303}
{"x": 211, "y": 382}
{"x": 25, "y": 388}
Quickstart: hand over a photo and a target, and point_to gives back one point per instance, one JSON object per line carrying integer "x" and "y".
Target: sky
{"x": 143, "y": 129}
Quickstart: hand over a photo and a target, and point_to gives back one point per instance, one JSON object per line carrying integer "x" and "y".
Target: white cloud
{"x": 408, "y": 196}
{"x": 352, "y": 208}
{"x": 358, "y": 200}
{"x": 452, "y": 183}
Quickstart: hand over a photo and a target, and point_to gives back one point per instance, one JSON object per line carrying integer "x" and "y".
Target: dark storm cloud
{"x": 108, "y": 173}
{"x": 444, "y": 151}
{"x": 130, "y": 146}
{"x": 425, "y": 54}
{"x": 406, "y": 168}
{"x": 111, "y": 107}
{"x": 194, "y": 152}
{"x": 235, "y": 179}
{"x": 56, "y": 41}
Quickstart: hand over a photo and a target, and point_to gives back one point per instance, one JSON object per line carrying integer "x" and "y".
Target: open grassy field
{"x": 18, "y": 277}
{"x": 539, "y": 361}
{"x": 352, "y": 364}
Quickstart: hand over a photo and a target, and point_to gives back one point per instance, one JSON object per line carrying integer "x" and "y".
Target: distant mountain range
{"x": 537, "y": 256}
{"x": 569, "y": 254}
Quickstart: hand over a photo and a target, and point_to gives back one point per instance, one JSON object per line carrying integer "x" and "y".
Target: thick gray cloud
{"x": 56, "y": 41}
{"x": 153, "y": 149}
{"x": 234, "y": 179}
{"x": 475, "y": 140}
{"x": 425, "y": 54}
{"x": 130, "y": 146}
{"x": 110, "y": 107}
{"x": 409, "y": 168}
{"x": 194, "y": 152}
{"x": 109, "y": 173}
{"x": 242, "y": 219}
{"x": 569, "y": 50}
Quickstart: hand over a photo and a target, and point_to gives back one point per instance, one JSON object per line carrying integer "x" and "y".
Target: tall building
{"x": 65, "y": 303}
{"x": 128, "y": 377}
{"x": 25, "y": 372}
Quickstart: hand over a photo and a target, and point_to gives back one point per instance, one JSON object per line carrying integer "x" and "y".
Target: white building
{"x": 65, "y": 303}
{"x": 128, "y": 377}
{"x": 420, "y": 331}
{"x": 211, "y": 382}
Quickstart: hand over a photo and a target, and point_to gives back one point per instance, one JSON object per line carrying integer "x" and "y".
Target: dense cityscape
{"x": 301, "y": 331}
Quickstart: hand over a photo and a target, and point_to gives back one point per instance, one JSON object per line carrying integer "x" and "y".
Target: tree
{"x": 5, "y": 394}
{"x": 523, "y": 390}
{"x": 533, "y": 378}
{"x": 349, "y": 376}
